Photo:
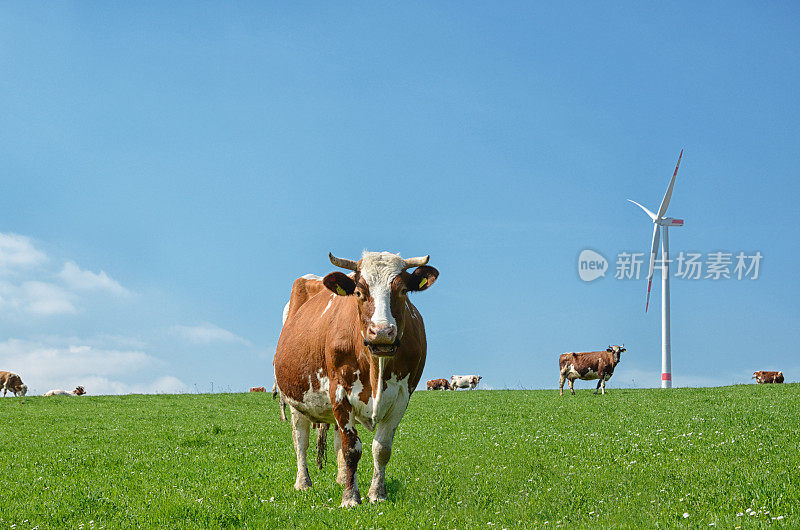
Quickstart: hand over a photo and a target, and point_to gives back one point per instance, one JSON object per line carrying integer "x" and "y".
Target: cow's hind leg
{"x": 561, "y": 380}
{"x": 301, "y": 427}
{"x": 571, "y": 385}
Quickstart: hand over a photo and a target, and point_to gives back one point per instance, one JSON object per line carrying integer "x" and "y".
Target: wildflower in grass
{"x": 685, "y": 515}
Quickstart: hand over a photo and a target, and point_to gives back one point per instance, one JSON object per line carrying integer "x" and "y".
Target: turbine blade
{"x": 653, "y": 254}
{"x": 667, "y": 196}
{"x": 648, "y": 212}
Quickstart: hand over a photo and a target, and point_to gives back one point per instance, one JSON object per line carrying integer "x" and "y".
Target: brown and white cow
{"x": 765, "y": 376}
{"x": 438, "y": 384}
{"x": 258, "y": 389}
{"x": 13, "y": 382}
{"x": 352, "y": 350}
{"x": 588, "y": 366}
{"x": 79, "y": 391}
{"x": 464, "y": 381}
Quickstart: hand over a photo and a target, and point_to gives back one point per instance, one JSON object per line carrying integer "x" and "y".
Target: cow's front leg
{"x": 341, "y": 468}
{"x": 381, "y": 452}
{"x": 351, "y": 453}
{"x": 603, "y": 386}
{"x": 301, "y": 427}
{"x": 599, "y": 382}
{"x": 561, "y": 380}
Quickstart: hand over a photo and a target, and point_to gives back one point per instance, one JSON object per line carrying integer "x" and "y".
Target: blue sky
{"x": 168, "y": 170}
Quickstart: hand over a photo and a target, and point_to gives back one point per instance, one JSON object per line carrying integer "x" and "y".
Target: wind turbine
{"x": 660, "y": 221}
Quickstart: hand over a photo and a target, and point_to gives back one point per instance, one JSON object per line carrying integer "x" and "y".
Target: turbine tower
{"x": 660, "y": 221}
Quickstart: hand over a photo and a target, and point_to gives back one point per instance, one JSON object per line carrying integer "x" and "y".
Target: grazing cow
{"x": 258, "y": 389}
{"x": 764, "y": 376}
{"x": 11, "y": 381}
{"x": 438, "y": 384}
{"x": 587, "y": 366}
{"x": 352, "y": 350}
{"x": 464, "y": 381}
{"x": 79, "y": 391}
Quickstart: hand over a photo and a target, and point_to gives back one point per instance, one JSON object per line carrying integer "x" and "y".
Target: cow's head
{"x": 616, "y": 351}
{"x": 380, "y": 285}
{"x": 79, "y": 391}
{"x": 22, "y": 389}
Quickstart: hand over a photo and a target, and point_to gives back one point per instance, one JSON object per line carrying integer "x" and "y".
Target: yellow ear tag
{"x": 340, "y": 291}
{"x": 423, "y": 282}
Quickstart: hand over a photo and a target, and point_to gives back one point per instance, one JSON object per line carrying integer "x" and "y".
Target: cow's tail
{"x": 276, "y": 392}
{"x": 322, "y": 443}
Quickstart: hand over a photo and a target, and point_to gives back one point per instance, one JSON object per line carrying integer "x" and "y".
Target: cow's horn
{"x": 343, "y": 263}
{"x": 416, "y": 262}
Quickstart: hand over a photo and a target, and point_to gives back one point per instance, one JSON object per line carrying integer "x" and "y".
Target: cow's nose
{"x": 381, "y": 332}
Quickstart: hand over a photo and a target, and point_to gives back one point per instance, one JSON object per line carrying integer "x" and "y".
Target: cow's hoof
{"x": 350, "y": 499}
{"x": 302, "y": 484}
{"x": 377, "y": 498}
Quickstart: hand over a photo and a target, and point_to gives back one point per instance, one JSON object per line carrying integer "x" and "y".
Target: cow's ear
{"x": 340, "y": 283}
{"x": 422, "y": 278}
{"x": 610, "y": 349}
{"x": 622, "y": 350}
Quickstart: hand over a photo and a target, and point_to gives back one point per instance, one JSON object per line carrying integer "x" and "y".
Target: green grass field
{"x": 507, "y": 459}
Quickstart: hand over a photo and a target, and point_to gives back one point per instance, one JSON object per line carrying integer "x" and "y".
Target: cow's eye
{"x": 403, "y": 291}
{"x": 359, "y": 294}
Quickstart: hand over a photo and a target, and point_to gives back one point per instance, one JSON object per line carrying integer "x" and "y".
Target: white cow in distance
{"x": 464, "y": 381}
{"x": 79, "y": 391}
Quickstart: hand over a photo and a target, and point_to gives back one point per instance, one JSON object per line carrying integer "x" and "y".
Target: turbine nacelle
{"x": 669, "y": 221}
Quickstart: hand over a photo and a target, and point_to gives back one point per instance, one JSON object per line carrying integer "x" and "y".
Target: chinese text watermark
{"x": 686, "y": 265}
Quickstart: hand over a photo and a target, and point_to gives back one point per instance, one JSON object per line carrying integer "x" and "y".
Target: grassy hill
{"x": 482, "y": 459}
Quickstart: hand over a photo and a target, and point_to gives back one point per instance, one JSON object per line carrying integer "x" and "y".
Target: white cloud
{"x": 42, "y": 298}
{"x": 84, "y": 280}
{"x": 47, "y": 365}
{"x": 36, "y": 297}
{"x": 17, "y": 251}
{"x": 208, "y": 333}
{"x": 28, "y": 287}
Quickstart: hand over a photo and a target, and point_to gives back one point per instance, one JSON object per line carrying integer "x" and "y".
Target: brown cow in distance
{"x": 588, "y": 366}
{"x": 438, "y": 384}
{"x": 765, "y": 376}
{"x": 352, "y": 351}
{"x": 11, "y": 381}
{"x": 258, "y": 389}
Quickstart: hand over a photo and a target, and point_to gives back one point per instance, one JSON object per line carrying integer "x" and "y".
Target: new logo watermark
{"x": 686, "y": 265}
{"x": 591, "y": 265}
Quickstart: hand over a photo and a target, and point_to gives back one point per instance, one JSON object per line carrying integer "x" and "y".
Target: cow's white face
{"x": 380, "y": 285}
{"x": 23, "y": 389}
{"x": 616, "y": 351}
{"x": 379, "y": 270}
